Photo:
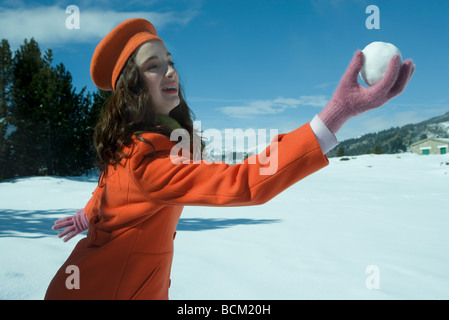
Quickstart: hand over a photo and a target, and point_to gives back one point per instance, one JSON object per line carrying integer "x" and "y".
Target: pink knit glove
{"x": 74, "y": 224}
{"x": 351, "y": 99}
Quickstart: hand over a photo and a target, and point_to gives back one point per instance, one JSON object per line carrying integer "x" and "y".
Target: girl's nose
{"x": 170, "y": 71}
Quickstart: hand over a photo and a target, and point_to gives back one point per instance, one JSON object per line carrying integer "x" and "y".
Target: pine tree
{"x": 378, "y": 150}
{"x": 26, "y": 111}
{"x": 340, "y": 151}
{"x": 5, "y": 98}
{"x": 49, "y": 115}
{"x": 52, "y": 125}
{"x": 100, "y": 98}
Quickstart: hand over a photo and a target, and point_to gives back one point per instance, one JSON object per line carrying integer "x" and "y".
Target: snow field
{"x": 313, "y": 241}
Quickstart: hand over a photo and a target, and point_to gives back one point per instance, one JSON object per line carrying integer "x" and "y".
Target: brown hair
{"x": 129, "y": 111}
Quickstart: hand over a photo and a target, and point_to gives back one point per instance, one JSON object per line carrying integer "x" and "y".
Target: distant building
{"x": 431, "y": 146}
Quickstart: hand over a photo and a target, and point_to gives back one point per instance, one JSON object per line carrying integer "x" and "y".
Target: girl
{"x": 132, "y": 216}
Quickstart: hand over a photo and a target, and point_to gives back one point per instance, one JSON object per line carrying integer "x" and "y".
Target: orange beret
{"x": 114, "y": 50}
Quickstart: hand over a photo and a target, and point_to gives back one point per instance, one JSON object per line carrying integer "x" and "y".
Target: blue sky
{"x": 257, "y": 63}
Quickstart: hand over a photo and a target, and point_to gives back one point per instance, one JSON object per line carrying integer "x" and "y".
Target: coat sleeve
{"x": 93, "y": 205}
{"x": 288, "y": 159}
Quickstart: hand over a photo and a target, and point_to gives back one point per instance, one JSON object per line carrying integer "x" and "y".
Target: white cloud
{"x": 47, "y": 24}
{"x": 275, "y": 106}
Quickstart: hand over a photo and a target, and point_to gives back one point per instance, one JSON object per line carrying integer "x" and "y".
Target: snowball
{"x": 377, "y": 58}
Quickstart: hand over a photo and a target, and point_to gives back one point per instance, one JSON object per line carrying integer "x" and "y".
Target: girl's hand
{"x": 351, "y": 99}
{"x": 74, "y": 225}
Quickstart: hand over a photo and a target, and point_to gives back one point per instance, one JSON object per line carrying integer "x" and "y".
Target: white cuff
{"x": 325, "y": 137}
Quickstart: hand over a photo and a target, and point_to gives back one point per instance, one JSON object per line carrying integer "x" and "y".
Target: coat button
{"x": 174, "y": 235}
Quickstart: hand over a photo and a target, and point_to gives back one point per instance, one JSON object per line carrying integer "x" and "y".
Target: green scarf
{"x": 171, "y": 123}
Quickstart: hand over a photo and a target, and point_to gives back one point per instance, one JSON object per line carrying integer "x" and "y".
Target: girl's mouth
{"x": 170, "y": 89}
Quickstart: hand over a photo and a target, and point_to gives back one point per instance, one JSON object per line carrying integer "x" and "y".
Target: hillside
{"x": 395, "y": 140}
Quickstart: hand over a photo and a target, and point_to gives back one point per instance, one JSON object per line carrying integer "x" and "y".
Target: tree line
{"x": 46, "y": 126}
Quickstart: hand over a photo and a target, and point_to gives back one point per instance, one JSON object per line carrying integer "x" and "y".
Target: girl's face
{"x": 158, "y": 73}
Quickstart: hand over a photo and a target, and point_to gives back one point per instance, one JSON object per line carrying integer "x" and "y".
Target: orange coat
{"x": 133, "y": 215}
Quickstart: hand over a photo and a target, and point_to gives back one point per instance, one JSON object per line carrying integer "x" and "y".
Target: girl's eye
{"x": 155, "y": 66}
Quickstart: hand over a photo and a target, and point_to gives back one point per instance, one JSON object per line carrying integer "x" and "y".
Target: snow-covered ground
{"x": 373, "y": 227}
